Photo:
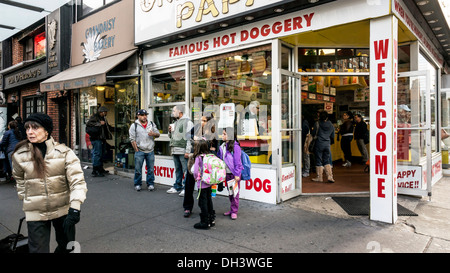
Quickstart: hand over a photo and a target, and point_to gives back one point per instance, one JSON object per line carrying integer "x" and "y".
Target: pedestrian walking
{"x": 230, "y": 153}
{"x": 50, "y": 182}
{"x": 142, "y": 136}
{"x": 207, "y": 213}
{"x": 8, "y": 144}
{"x": 324, "y": 130}
{"x": 360, "y": 136}
{"x": 99, "y": 131}
{"x": 180, "y": 146}
{"x": 346, "y": 131}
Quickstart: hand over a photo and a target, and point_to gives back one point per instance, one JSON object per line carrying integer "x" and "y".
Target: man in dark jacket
{"x": 99, "y": 131}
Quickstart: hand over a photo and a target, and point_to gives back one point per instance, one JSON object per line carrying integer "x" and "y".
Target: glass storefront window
{"x": 333, "y": 60}
{"x": 122, "y": 103}
{"x": 445, "y": 108}
{"x": 242, "y": 78}
{"x": 168, "y": 87}
{"x": 424, "y": 64}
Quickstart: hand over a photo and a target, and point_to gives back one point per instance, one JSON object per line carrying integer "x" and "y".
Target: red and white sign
{"x": 287, "y": 179}
{"x": 383, "y": 129}
{"x": 318, "y": 17}
{"x": 262, "y": 187}
{"x": 409, "y": 177}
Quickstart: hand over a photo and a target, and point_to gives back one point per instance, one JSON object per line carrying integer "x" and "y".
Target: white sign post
{"x": 383, "y": 109}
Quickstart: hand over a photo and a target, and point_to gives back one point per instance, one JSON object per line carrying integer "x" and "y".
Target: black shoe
{"x": 187, "y": 213}
{"x": 203, "y": 222}
{"x": 201, "y": 225}
{"x": 212, "y": 218}
{"x": 97, "y": 174}
{"x": 103, "y": 171}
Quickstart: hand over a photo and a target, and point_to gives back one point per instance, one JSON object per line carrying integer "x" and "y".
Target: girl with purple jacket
{"x": 207, "y": 213}
{"x": 230, "y": 153}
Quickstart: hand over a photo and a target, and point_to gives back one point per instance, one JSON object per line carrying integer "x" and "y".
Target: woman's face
{"x": 36, "y": 134}
{"x": 224, "y": 135}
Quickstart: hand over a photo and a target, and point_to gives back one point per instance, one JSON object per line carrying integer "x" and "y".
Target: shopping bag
{"x": 233, "y": 187}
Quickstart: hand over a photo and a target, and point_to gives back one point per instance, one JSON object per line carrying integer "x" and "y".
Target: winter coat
{"x": 99, "y": 131}
{"x": 63, "y": 185}
{"x": 9, "y": 141}
{"x": 198, "y": 171}
{"x": 232, "y": 160}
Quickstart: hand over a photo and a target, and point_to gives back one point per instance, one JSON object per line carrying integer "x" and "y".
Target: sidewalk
{"x": 117, "y": 219}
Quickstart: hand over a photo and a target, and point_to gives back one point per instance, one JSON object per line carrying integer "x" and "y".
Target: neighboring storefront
{"x": 368, "y": 57}
{"x": 36, "y": 54}
{"x": 104, "y": 72}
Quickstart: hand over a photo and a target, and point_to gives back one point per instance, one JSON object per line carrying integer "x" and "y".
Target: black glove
{"x": 69, "y": 223}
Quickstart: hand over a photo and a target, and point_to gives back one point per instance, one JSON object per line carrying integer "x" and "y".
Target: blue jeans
{"x": 139, "y": 158}
{"x": 98, "y": 150}
{"x": 180, "y": 170}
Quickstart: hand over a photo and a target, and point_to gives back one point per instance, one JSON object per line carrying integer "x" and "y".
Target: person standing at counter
{"x": 360, "y": 137}
{"x": 346, "y": 131}
{"x": 322, "y": 151}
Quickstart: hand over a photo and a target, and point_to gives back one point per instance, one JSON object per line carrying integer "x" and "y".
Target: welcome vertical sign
{"x": 383, "y": 113}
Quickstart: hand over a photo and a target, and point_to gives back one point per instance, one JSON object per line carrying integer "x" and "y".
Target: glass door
{"x": 291, "y": 148}
{"x": 414, "y": 161}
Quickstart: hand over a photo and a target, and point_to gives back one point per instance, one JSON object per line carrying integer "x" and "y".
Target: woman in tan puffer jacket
{"x": 52, "y": 186}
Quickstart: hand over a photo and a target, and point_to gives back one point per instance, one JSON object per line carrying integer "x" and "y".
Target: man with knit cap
{"x": 99, "y": 131}
{"x": 51, "y": 184}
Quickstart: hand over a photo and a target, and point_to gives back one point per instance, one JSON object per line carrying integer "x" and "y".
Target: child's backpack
{"x": 214, "y": 170}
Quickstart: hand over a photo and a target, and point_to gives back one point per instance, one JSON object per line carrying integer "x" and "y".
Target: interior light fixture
{"x": 223, "y": 24}
{"x": 313, "y": 1}
{"x": 100, "y": 88}
{"x": 181, "y": 36}
{"x": 437, "y": 28}
{"x": 249, "y": 18}
{"x": 433, "y": 21}
{"x": 428, "y": 13}
{"x": 201, "y": 31}
{"x": 440, "y": 35}
{"x": 422, "y": 3}
{"x": 278, "y": 10}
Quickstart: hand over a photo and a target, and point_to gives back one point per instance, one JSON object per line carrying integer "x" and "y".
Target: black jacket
{"x": 96, "y": 130}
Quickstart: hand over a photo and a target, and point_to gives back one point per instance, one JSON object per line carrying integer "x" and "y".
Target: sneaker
{"x": 233, "y": 216}
{"x": 181, "y": 193}
{"x": 137, "y": 188}
{"x": 228, "y": 213}
{"x": 305, "y": 174}
{"x": 187, "y": 213}
{"x": 151, "y": 188}
{"x": 172, "y": 190}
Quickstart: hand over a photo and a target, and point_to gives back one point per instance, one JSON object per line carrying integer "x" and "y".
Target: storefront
{"x": 369, "y": 58}
{"x": 37, "y": 53}
{"x": 104, "y": 72}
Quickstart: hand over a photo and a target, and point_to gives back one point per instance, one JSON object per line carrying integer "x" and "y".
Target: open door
{"x": 414, "y": 161}
{"x": 291, "y": 147}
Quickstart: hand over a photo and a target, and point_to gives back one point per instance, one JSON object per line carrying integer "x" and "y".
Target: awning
{"x": 84, "y": 75}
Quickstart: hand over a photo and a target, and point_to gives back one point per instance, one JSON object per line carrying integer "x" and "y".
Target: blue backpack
{"x": 245, "y": 175}
{"x": 245, "y": 159}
